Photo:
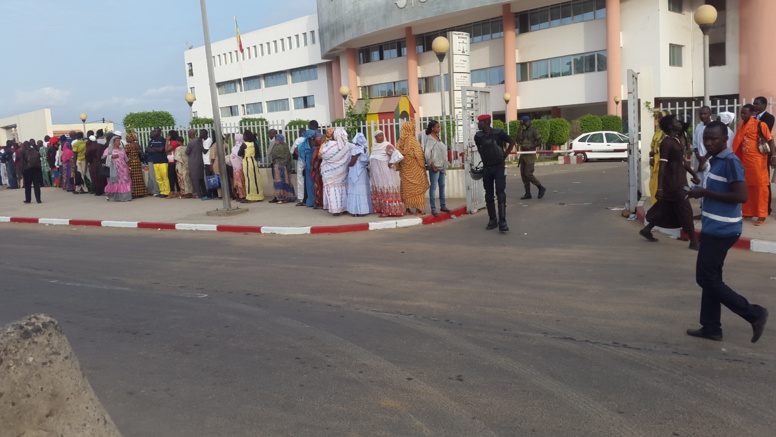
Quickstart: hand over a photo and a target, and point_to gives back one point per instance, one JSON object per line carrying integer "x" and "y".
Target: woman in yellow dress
{"x": 654, "y": 153}
{"x": 253, "y": 190}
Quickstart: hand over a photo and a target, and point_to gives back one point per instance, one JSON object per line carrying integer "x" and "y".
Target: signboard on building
{"x": 459, "y": 66}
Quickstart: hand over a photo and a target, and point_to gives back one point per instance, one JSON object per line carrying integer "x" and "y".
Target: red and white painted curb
{"x": 277, "y": 230}
{"x": 745, "y": 243}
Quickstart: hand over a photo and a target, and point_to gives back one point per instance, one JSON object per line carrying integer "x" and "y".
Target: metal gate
{"x": 476, "y": 101}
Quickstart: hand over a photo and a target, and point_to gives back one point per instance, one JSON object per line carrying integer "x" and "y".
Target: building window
{"x": 387, "y": 89}
{"x": 489, "y": 76}
{"x": 540, "y": 69}
{"x": 431, "y": 84}
{"x": 719, "y": 5}
{"x": 227, "y": 87}
{"x": 282, "y": 45}
{"x": 277, "y": 105}
{"x": 676, "y": 6}
{"x": 312, "y": 37}
{"x": 717, "y": 57}
{"x": 297, "y": 41}
{"x": 254, "y": 108}
{"x": 522, "y": 72}
{"x": 290, "y": 46}
{"x": 252, "y": 83}
{"x": 478, "y": 31}
{"x": 561, "y": 66}
{"x": 561, "y": 14}
{"x": 231, "y": 60}
{"x": 230, "y": 111}
{"x": 219, "y": 59}
{"x": 304, "y": 38}
{"x": 381, "y": 52}
{"x": 249, "y": 54}
{"x": 275, "y": 46}
{"x": 584, "y": 63}
{"x": 190, "y": 68}
{"x": 275, "y": 79}
{"x": 675, "y": 55}
{"x": 304, "y": 102}
{"x": 304, "y": 74}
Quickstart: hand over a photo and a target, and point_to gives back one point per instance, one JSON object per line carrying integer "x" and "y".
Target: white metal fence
{"x": 391, "y": 128}
{"x": 688, "y": 111}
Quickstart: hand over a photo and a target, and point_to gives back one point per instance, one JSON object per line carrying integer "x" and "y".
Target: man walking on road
{"x": 529, "y": 139}
{"x": 490, "y": 143}
{"x": 723, "y": 192}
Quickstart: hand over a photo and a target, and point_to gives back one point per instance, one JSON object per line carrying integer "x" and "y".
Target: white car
{"x": 601, "y": 145}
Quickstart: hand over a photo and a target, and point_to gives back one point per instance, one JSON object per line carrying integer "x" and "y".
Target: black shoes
{"x": 502, "y": 226}
{"x": 648, "y": 235}
{"x": 702, "y": 334}
{"x": 492, "y": 224}
{"x": 526, "y": 196}
{"x": 758, "y": 326}
{"x": 542, "y": 190}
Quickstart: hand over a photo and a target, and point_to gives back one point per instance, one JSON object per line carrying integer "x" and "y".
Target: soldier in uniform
{"x": 491, "y": 145}
{"x": 529, "y": 139}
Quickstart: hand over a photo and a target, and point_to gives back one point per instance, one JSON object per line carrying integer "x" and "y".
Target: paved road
{"x": 569, "y": 325}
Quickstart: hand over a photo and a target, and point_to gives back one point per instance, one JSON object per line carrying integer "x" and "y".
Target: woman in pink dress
{"x": 119, "y": 187}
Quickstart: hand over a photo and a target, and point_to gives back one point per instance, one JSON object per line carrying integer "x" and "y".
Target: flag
{"x": 239, "y": 40}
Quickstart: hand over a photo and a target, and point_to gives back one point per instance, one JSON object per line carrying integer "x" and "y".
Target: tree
{"x": 150, "y": 119}
{"x": 612, "y": 123}
{"x": 559, "y": 131}
{"x": 590, "y": 123}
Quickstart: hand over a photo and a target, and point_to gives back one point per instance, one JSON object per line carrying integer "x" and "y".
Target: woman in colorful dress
{"x": 237, "y": 169}
{"x": 253, "y": 190}
{"x": 315, "y": 171}
{"x": 654, "y": 153}
{"x": 359, "y": 199}
{"x": 756, "y": 164}
{"x": 335, "y": 156}
{"x": 386, "y": 192}
{"x": 412, "y": 169}
{"x": 119, "y": 187}
{"x": 281, "y": 163}
{"x": 135, "y": 167}
{"x": 185, "y": 186}
{"x": 171, "y": 145}
{"x": 67, "y": 165}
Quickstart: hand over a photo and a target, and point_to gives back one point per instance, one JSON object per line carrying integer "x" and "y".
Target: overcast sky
{"x": 108, "y": 58}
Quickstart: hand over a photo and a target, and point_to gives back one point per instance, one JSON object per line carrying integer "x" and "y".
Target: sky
{"x": 108, "y": 58}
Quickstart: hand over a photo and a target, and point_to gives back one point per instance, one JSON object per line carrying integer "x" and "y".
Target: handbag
{"x": 396, "y": 157}
{"x": 77, "y": 179}
{"x": 104, "y": 171}
{"x": 212, "y": 182}
{"x": 762, "y": 143}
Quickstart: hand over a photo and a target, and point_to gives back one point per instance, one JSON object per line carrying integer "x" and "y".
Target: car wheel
{"x": 583, "y": 155}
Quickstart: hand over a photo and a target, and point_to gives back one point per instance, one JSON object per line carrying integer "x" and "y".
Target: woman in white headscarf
{"x": 727, "y": 118}
{"x": 335, "y": 156}
{"x": 386, "y": 191}
{"x": 359, "y": 198}
{"x": 119, "y": 188}
{"x": 237, "y": 168}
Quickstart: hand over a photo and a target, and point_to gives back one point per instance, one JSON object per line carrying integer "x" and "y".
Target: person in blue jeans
{"x": 435, "y": 152}
{"x": 723, "y": 192}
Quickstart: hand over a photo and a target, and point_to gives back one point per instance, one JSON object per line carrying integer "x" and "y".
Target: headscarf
{"x": 280, "y": 139}
{"x": 131, "y": 138}
{"x": 111, "y": 146}
{"x": 361, "y": 148}
{"x": 67, "y": 152}
{"x": 330, "y": 133}
{"x": 380, "y": 150}
{"x": 407, "y": 137}
{"x": 280, "y": 155}
{"x": 235, "y": 157}
{"x": 726, "y": 117}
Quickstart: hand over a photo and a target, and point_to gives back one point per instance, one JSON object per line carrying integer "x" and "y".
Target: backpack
{"x": 31, "y": 158}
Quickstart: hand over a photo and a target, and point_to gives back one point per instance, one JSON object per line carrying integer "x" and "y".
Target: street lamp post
{"x": 83, "y": 120}
{"x": 344, "y": 92}
{"x": 190, "y": 99}
{"x": 617, "y": 101}
{"x": 440, "y": 46}
{"x": 705, "y": 16}
{"x": 507, "y": 98}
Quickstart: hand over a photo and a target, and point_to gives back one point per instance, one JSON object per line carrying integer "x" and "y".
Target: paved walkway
{"x": 62, "y": 208}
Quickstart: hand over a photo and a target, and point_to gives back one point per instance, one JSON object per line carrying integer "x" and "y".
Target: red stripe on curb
{"x": 743, "y": 243}
{"x": 339, "y": 229}
{"x": 85, "y": 222}
{"x": 240, "y": 229}
{"x": 430, "y": 219}
{"x": 152, "y": 225}
{"x": 24, "y": 220}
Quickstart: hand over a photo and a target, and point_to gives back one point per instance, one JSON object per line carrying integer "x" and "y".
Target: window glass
{"x": 601, "y": 61}
{"x": 312, "y": 36}
{"x": 374, "y": 54}
{"x": 600, "y": 9}
{"x": 613, "y": 138}
{"x": 674, "y": 55}
{"x": 675, "y": 5}
{"x": 229, "y": 111}
{"x": 304, "y": 74}
{"x": 304, "y": 102}
{"x": 496, "y": 75}
{"x": 400, "y": 88}
{"x": 277, "y": 105}
{"x": 522, "y": 72}
{"x": 390, "y": 50}
{"x": 275, "y": 79}
{"x": 540, "y": 69}
{"x": 476, "y": 35}
{"x": 227, "y": 87}
{"x": 583, "y": 138}
{"x": 486, "y": 30}
{"x": 252, "y": 83}
{"x": 497, "y": 27}
{"x": 555, "y": 67}
{"x": 540, "y": 19}
{"x": 596, "y": 138}
{"x": 565, "y": 14}
{"x": 480, "y": 76}
{"x": 304, "y": 39}
{"x": 566, "y": 65}
{"x": 555, "y": 16}
{"x": 717, "y": 55}
{"x": 253, "y": 108}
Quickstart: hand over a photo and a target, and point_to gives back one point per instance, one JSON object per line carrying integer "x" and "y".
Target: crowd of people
{"x": 333, "y": 172}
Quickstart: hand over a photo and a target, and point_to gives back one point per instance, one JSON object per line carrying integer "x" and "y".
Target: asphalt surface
{"x": 569, "y": 325}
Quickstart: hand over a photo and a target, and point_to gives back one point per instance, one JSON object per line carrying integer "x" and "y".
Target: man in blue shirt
{"x": 723, "y": 192}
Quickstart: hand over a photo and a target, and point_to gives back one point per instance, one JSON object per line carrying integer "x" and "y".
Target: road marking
{"x": 77, "y": 284}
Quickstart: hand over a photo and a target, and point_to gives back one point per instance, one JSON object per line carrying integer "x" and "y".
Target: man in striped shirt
{"x": 723, "y": 192}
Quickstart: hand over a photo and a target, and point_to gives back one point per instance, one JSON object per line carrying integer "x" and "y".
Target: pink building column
{"x": 756, "y": 63}
{"x": 510, "y": 61}
{"x": 335, "y": 84}
{"x": 613, "y": 55}
{"x": 412, "y": 69}
{"x": 352, "y": 75}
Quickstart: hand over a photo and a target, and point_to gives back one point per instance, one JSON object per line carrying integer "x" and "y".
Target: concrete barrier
{"x": 43, "y": 391}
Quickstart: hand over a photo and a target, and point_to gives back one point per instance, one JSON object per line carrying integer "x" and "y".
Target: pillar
{"x": 613, "y": 55}
{"x": 412, "y": 69}
{"x": 510, "y": 61}
{"x": 755, "y": 62}
{"x": 352, "y": 74}
{"x": 336, "y": 84}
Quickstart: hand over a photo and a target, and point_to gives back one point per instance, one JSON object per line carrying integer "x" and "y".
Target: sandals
{"x": 648, "y": 235}
{"x": 434, "y": 213}
{"x": 759, "y": 222}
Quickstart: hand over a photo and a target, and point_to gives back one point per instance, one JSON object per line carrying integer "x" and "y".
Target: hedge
{"x": 611, "y": 123}
{"x": 148, "y": 119}
{"x": 559, "y": 131}
{"x": 590, "y": 123}
{"x": 543, "y": 126}
{"x": 201, "y": 121}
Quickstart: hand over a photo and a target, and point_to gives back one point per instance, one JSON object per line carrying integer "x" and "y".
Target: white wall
{"x": 35, "y": 124}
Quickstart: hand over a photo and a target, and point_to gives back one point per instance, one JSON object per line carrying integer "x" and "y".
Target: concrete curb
{"x": 745, "y": 243}
{"x": 276, "y": 230}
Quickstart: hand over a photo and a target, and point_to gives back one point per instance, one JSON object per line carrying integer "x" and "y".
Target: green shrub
{"x": 543, "y": 126}
{"x": 151, "y": 119}
{"x": 201, "y": 121}
{"x": 498, "y": 124}
{"x": 514, "y": 128}
{"x": 612, "y": 123}
{"x": 293, "y": 126}
{"x": 249, "y": 121}
{"x": 590, "y": 123}
{"x": 575, "y": 129}
{"x": 559, "y": 131}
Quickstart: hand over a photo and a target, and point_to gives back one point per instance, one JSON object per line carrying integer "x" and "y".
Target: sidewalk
{"x": 754, "y": 238}
{"x": 63, "y": 208}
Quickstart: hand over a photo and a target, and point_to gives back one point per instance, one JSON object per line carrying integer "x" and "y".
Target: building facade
{"x": 555, "y": 58}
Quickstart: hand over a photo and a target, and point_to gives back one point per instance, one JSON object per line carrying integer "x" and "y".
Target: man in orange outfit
{"x": 745, "y": 146}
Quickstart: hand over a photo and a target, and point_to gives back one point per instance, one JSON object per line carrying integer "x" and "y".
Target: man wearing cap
{"x": 529, "y": 139}
{"x": 490, "y": 144}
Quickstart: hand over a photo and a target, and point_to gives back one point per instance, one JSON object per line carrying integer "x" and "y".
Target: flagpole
{"x": 239, "y": 61}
